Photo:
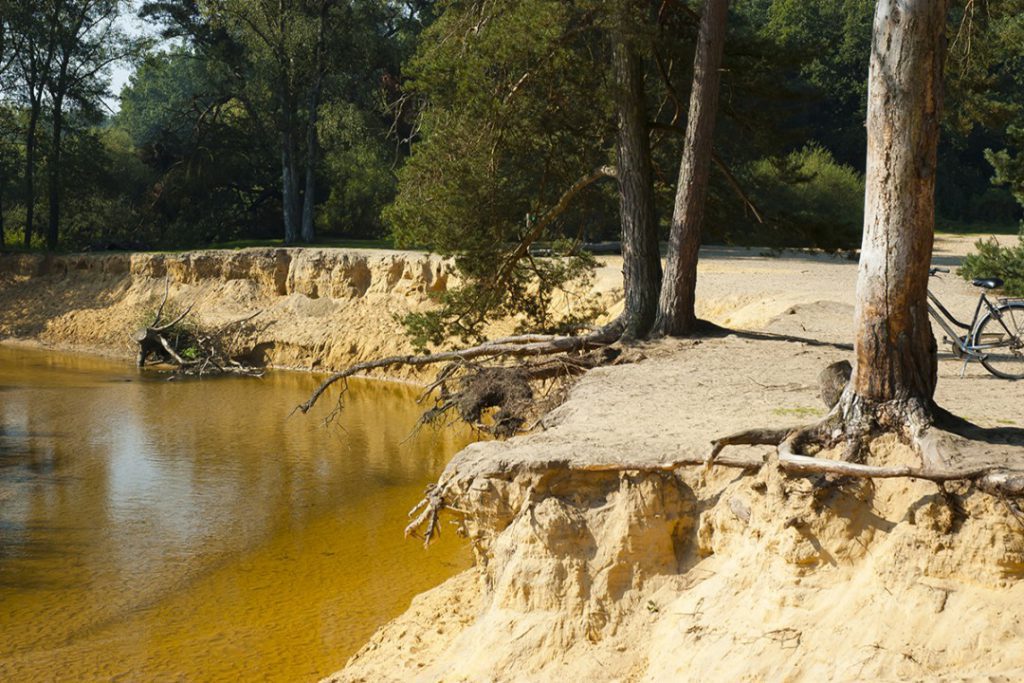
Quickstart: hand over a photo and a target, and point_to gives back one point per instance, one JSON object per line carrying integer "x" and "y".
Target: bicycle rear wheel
{"x": 1000, "y": 341}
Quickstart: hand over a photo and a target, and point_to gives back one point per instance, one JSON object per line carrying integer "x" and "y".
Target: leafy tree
{"x": 214, "y": 163}
{"x": 86, "y": 41}
{"x": 832, "y": 42}
{"x": 504, "y": 149}
{"x": 32, "y": 49}
{"x": 287, "y": 49}
{"x": 358, "y": 169}
{"x": 10, "y": 161}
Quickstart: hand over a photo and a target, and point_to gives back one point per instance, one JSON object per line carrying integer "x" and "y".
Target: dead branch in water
{"x": 190, "y": 350}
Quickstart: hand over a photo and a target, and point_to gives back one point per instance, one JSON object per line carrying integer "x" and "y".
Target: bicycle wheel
{"x": 1000, "y": 341}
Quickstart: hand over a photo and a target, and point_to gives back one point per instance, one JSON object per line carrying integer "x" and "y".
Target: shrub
{"x": 808, "y": 200}
{"x": 993, "y": 260}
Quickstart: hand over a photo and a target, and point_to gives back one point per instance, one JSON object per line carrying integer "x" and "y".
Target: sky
{"x": 121, "y": 72}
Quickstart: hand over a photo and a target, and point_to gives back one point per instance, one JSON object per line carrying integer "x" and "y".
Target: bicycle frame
{"x": 966, "y": 343}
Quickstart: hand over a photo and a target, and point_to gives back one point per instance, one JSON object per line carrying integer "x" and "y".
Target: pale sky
{"x": 121, "y": 72}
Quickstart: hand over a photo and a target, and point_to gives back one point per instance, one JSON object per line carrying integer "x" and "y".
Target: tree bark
{"x": 53, "y": 168}
{"x": 676, "y": 314}
{"x": 312, "y": 154}
{"x": 30, "y": 171}
{"x": 894, "y": 346}
{"x": 640, "y": 256}
{"x": 289, "y": 188}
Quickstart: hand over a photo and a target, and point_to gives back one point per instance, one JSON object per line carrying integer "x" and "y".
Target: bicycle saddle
{"x": 988, "y": 282}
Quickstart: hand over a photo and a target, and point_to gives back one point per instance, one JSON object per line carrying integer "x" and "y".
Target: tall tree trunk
{"x": 30, "y": 173}
{"x": 676, "y": 314}
{"x": 640, "y": 256}
{"x": 312, "y": 155}
{"x": 894, "y": 347}
{"x": 3, "y": 236}
{"x": 53, "y": 168}
{"x": 289, "y": 189}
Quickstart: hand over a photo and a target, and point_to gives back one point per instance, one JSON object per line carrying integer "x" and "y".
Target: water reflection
{"x": 191, "y": 530}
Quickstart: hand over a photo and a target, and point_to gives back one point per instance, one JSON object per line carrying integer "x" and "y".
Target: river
{"x": 193, "y": 531}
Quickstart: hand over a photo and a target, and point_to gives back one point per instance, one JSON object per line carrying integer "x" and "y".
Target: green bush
{"x": 992, "y": 260}
{"x": 808, "y": 200}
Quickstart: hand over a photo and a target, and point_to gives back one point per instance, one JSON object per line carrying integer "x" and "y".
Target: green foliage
{"x": 503, "y": 135}
{"x": 1009, "y": 167}
{"x": 358, "y": 169}
{"x": 104, "y": 206}
{"x": 830, "y": 41}
{"x": 992, "y": 260}
{"x": 808, "y": 200}
{"x": 502, "y": 106}
{"x": 210, "y": 162}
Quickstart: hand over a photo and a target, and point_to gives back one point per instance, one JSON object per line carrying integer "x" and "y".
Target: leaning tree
{"x": 469, "y": 381}
{"x": 642, "y": 274}
{"x": 676, "y": 315}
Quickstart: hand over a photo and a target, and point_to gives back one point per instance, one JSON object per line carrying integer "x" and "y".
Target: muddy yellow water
{"x": 165, "y": 531}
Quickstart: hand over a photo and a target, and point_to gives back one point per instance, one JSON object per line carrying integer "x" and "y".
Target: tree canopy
{"x": 464, "y": 126}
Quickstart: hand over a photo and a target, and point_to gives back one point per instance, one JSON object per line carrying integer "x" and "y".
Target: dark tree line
{"x": 462, "y": 124}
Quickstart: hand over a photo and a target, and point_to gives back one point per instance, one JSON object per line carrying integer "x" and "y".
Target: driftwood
{"x": 206, "y": 353}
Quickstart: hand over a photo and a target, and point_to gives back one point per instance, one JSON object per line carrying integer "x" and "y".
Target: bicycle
{"x": 995, "y": 339}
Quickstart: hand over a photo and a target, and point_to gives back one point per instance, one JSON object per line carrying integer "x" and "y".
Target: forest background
{"x": 452, "y": 124}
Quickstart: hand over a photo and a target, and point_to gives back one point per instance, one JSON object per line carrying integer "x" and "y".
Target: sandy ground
{"x": 723, "y": 577}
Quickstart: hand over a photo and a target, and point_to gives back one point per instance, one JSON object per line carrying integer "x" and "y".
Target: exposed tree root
{"x": 192, "y": 351}
{"x": 943, "y": 441}
{"x": 940, "y": 439}
{"x": 479, "y": 378}
{"x": 470, "y": 390}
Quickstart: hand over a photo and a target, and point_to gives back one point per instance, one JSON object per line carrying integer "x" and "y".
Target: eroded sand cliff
{"x": 320, "y": 309}
{"x": 719, "y": 576}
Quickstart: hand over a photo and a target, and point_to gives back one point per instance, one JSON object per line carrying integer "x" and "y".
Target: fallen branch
{"x": 512, "y": 347}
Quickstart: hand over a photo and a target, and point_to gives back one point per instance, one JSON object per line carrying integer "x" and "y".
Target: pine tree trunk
{"x": 641, "y": 260}
{"x": 289, "y": 189}
{"x": 894, "y": 347}
{"x": 30, "y": 173}
{"x": 676, "y": 315}
{"x": 53, "y": 167}
{"x": 312, "y": 155}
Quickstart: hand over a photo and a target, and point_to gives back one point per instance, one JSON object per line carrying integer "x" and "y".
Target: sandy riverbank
{"x": 639, "y": 577}
{"x": 724, "y": 576}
